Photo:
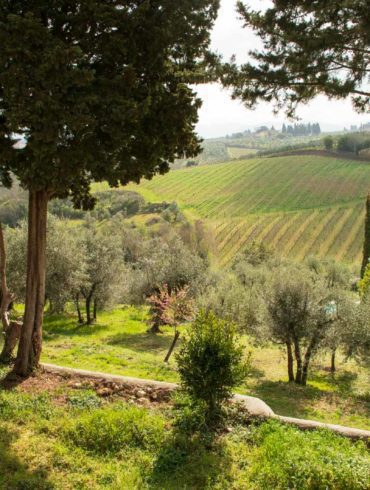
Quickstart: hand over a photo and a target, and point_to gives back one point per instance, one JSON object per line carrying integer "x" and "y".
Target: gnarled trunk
{"x": 11, "y": 329}
{"x": 298, "y": 358}
{"x": 307, "y": 358}
{"x": 332, "y": 363}
{"x": 89, "y": 319}
{"x": 30, "y": 342}
{"x": 290, "y": 362}
{"x": 95, "y": 310}
{"x": 78, "y": 309}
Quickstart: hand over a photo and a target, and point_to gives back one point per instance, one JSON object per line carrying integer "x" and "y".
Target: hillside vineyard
{"x": 299, "y": 205}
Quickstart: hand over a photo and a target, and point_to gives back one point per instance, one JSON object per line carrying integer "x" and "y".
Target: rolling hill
{"x": 300, "y": 205}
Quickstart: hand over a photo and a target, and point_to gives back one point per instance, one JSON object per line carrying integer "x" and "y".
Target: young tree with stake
{"x": 96, "y": 91}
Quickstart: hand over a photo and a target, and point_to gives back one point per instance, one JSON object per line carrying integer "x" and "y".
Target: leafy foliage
{"x": 210, "y": 364}
{"x": 170, "y": 307}
{"x": 105, "y": 118}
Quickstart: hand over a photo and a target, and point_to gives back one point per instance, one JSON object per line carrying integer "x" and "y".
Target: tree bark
{"x": 95, "y": 310}
{"x": 332, "y": 363}
{"x": 11, "y": 329}
{"x": 307, "y": 359}
{"x": 30, "y": 342}
{"x": 290, "y": 362}
{"x": 174, "y": 342}
{"x": 298, "y": 358}
{"x": 155, "y": 328}
{"x": 78, "y": 309}
{"x": 89, "y": 319}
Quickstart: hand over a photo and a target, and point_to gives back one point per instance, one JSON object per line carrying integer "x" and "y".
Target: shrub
{"x": 210, "y": 364}
{"x": 328, "y": 143}
{"x": 110, "y": 431}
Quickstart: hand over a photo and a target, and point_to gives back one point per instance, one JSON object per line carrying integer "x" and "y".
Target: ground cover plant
{"x": 58, "y": 434}
{"x": 301, "y": 205}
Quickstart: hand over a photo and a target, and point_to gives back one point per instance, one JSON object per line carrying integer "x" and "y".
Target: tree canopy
{"x": 93, "y": 91}
{"x": 98, "y": 90}
{"x": 309, "y": 47}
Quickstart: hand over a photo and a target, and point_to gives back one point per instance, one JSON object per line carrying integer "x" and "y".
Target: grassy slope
{"x": 68, "y": 439}
{"x": 301, "y": 205}
{"x": 120, "y": 344}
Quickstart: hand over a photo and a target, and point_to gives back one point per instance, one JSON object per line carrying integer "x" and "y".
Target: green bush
{"x": 285, "y": 457}
{"x": 114, "y": 430}
{"x": 210, "y": 364}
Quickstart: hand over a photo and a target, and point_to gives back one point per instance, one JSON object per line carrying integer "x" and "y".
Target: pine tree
{"x": 309, "y": 47}
{"x": 366, "y": 251}
{"x": 98, "y": 91}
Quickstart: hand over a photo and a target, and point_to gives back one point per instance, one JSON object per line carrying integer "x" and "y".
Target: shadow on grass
{"x": 14, "y": 474}
{"x": 188, "y": 462}
{"x": 68, "y": 326}
{"x": 286, "y": 398}
{"x": 294, "y": 400}
{"x": 142, "y": 342}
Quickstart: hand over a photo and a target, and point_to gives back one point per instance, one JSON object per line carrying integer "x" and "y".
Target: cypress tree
{"x": 95, "y": 91}
{"x": 366, "y": 253}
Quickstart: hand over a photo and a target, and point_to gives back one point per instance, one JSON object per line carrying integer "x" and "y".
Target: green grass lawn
{"x": 119, "y": 344}
{"x": 69, "y": 439}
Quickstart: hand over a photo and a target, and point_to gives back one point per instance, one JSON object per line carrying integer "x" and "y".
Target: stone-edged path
{"x": 255, "y": 406}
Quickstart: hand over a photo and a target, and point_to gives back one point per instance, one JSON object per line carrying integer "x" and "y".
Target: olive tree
{"x": 297, "y": 318}
{"x": 64, "y": 258}
{"x": 103, "y": 271}
{"x": 94, "y": 91}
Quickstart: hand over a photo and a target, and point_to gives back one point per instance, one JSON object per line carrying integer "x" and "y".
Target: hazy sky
{"x": 221, "y": 115}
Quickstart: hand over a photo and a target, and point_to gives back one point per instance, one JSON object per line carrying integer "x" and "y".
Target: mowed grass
{"x": 119, "y": 343}
{"x": 300, "y": 204}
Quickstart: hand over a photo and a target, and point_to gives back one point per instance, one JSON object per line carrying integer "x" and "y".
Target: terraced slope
{"x": 301, "y": 205}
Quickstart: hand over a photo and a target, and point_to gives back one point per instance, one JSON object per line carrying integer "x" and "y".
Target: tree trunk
{"x": 290, "y": 362}
{"x": 307, "y": 359}
{"x": 78, "y": 309}
{"x": 11, "y": 329}
{"x": 89, "y": 319}
{"x": 332, "y": 364}
{"x": 298, "y": 358}
{"x": 30, "y": 342}
{"x": 95, "y": 310}
{"x": 170, "y": 350}
{"x": 155, "y": 328}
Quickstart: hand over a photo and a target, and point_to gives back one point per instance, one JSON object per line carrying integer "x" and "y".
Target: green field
{"x": 299, "y": 205}
{"x": 120, "y": 344}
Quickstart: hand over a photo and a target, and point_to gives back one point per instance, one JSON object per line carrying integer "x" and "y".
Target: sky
{"x": 221, "y": 115}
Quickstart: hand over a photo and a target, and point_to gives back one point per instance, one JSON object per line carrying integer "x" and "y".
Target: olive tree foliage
{"x": 65, "y": 258}
{"x": 168, "y": 262}
{"x": 308, "y": 48}
{"x": 95, "y": 91}
{"x": 103, "y": 276}
{"x": 356, "y": 338}
{"x": 297, "y": 317}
